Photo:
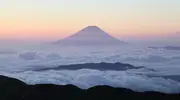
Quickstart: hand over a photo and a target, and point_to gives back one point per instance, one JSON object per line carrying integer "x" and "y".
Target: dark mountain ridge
{"x": 13, "y": 89}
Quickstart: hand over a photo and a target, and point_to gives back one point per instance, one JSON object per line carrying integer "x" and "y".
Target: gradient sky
{"x": 59, "y": 18}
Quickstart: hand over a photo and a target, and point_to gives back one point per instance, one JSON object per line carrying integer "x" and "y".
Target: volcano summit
{"x": 90, "y": 36}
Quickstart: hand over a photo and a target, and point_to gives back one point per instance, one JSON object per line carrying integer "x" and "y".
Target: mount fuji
{"x": 90, "y": 36}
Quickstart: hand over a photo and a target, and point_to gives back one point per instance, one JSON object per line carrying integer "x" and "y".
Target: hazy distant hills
{"x": 97, "y": 66}
{"x": 90, "y": 36}
{"x": 167, "y": 47}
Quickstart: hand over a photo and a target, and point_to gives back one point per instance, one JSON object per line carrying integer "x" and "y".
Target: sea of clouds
{"x": 19, "y": 62}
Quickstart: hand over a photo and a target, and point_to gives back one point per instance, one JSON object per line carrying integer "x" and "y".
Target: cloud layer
{"x": 86, "y": 78}
{"x": 19, "y": 63}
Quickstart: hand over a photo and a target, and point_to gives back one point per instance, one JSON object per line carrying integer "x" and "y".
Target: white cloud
{"x": 86, "y": 78}
{"x": 29, "y": 56}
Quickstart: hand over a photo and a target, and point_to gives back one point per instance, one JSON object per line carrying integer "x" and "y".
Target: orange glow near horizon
{"x": 52, "y": 19}
{"x": 60, "y": 30}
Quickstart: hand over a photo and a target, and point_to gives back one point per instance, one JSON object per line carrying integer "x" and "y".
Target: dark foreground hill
{"x": 13, "y": 89}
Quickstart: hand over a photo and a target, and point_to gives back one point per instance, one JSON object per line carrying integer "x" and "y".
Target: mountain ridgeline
{"x": 90, "y": 36}
{"x": 14, "y": 89}
{"x": 97, "y": 66}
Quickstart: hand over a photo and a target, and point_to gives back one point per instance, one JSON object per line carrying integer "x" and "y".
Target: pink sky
{"x": 53, "y": 19}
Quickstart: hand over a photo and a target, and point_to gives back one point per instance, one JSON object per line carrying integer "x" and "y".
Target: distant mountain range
{"x": 97, "y": 66}
{"x": 167, "y": 47}
{"x": 90, "y": 36}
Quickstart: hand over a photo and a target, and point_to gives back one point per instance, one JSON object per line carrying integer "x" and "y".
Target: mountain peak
{"x": 92, "y": 29}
